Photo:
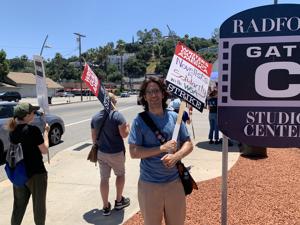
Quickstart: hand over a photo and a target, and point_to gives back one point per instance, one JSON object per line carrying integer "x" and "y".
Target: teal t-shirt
{"x": 152, "y": 168}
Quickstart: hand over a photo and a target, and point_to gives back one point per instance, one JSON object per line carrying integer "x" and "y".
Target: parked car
{"x": 10, "y": 96}
{"x": 59, "y": 93}
{"x": 57, "y": 127}
{"x": 124, "y": 95}
{"x": 67, "y": 94}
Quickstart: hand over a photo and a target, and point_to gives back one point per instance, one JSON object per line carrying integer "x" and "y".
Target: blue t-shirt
{"x": 110, "y": 140}
{"x": 152, "y": 168}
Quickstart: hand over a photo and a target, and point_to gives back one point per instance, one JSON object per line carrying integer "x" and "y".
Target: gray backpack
{"x": 15, "y": 166}
{"x": 14, "y": 155}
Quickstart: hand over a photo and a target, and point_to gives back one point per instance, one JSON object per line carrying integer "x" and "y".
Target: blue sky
{"x": 25, "y": 24}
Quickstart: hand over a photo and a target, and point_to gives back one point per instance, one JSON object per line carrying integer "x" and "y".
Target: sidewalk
{"x": 61, "y": 100}
{"x": 73, "y": 191}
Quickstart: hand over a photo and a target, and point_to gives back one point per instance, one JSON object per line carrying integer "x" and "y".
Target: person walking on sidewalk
{"x": 108, "y": 131}
{"x": 34, "y": 144}
{"x": 160, "y": 191}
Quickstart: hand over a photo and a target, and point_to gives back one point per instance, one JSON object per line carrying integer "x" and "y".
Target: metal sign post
{"x": 224, "y": 180}
{"x": 41, "y": 87}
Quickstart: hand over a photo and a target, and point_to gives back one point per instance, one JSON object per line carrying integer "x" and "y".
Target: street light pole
{"x": 79, "y": 42}
{"x": 44, "y": 45}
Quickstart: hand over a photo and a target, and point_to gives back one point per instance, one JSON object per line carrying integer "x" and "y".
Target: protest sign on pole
{"x": 188, "y": 79}
{"x": 188, "y": 76}
{"x": 41, "y": 87}
{"x": 95, "y": 85}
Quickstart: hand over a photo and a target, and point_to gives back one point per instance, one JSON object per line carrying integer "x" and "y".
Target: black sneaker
{"x": 218, "y": 142}
{"x": 210, "y": 142}
{"x": 122, "y": 204}
{"x": 106, "y": 210}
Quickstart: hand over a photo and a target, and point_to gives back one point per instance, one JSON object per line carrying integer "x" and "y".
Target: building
{"x": 7, "y": 87}
{"x": 119, "y": 60}
{"x": 25, "y": 84}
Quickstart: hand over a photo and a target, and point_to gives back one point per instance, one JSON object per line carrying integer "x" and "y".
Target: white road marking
{"x": 82, "y": 121}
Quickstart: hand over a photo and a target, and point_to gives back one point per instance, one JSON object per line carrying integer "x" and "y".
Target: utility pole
{"x": 79, "y": 36}
{"x": 275, "y": 2}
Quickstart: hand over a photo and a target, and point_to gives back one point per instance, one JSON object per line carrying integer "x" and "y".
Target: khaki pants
{"x": 37, "y": 187}
{"x": 158, "y": 200}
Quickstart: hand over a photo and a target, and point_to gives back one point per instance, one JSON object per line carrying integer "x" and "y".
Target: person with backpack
{"x": 160, "y": 190}
{"x": 34, "y": 144}
{"x": 108, "y": 131}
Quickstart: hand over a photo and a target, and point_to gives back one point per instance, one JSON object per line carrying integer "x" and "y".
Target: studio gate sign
{"x": 259, "y": 76}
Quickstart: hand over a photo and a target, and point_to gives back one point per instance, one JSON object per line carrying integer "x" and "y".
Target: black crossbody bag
{"x": 186, "y": 178}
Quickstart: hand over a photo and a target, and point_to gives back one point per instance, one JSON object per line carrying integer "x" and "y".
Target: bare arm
{"x": 170, "y": 160}
{"x": 45, "y": 146}
{"x": 140, "y": 152}
{"x": 124, "y": 130}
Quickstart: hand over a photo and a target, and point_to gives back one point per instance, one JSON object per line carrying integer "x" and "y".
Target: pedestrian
{"x": 160, "y": 191}
{"x": 212, "y": 104}
{"x": 111, "y": 153}
{"x": 34, "y": 144}
{"x": 175, "y": 105}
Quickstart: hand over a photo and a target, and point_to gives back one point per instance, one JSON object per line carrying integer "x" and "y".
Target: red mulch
{"x": 260, "y": 192}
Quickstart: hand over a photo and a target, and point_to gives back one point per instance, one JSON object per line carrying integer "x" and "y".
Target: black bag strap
{"x": 99, "y": 132}
{"x": 150, "y": 123}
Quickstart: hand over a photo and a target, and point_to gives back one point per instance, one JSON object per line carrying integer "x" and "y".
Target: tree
{"x": 113, "y": 74}
{"x": 215, "y": 36}
{"x": 145, "y": 53}
{"x": 167, "y": 48}
{"x": 21, "y": 64}
{"x": 134, "y": 68}
{"x": 132, "y": 47}
{"x": 4, "y": 67}
{"x": 209, "y": 56}
{"x": 147, "y": 37}
{"x": 114, "y": 77}
{"x": 60, "y": 68}
{"x": 163, "y": 66}
{"x": 120, "y": 48}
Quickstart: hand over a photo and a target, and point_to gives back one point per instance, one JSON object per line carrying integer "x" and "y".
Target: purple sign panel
{"x": 259, "y": 76}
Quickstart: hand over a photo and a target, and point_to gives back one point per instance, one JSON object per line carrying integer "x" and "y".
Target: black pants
{"x": 37, "y": 187}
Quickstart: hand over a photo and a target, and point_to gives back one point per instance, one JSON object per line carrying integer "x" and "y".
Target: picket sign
{"x": 96, "y": 86}
{"x": 41, "y": 88}
{"x": 188, "y": 79}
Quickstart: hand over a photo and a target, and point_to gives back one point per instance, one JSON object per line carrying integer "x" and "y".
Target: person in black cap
{"x": 34, "y": 144}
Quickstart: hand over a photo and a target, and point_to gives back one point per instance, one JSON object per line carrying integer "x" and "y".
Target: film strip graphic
{"x": 224, "y": 74}
{"x": 237, "y": 72}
